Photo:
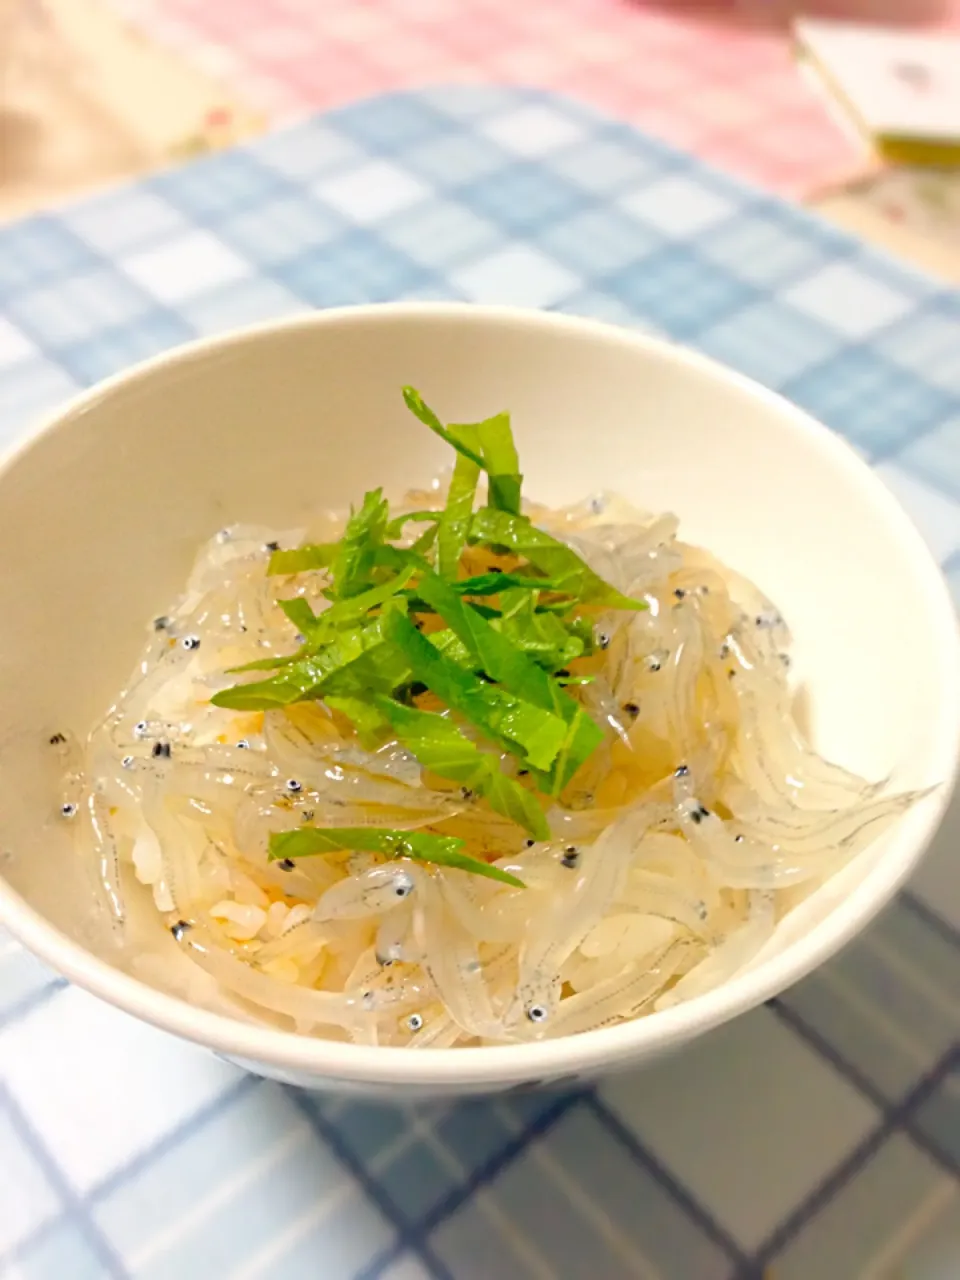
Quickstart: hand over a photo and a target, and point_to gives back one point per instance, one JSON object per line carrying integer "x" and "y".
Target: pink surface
{"x": 701, "y": 77}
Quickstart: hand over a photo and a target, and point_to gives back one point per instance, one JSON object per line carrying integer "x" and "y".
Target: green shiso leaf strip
{"x": 443, "y": 851}
{"x": 494, "y": 646}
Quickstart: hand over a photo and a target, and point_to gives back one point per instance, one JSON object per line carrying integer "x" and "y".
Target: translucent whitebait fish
{"x": 371, "y": 893}
{"x": 179, "y": 851}
{"x": 651, "y": 894}
{"x": 104, "y": 855}
{"x": 597, "y": 882}
{"x": 701, "y": 821}
{"x": 723, "y": 962}
{"x": 797, "y": 832}
{"x": 451, "y": 960}
{"x": 778, "y": 767}
{"x": 625, "y": 995}
{"x": 394, "y": 943}
{"x": 316, "y": 1008}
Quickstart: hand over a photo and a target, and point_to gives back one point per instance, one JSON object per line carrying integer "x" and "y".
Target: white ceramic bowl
{"x": 101, "y": 511}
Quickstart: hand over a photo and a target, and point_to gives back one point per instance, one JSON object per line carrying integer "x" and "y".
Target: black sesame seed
{"x": 603, "y": 640}
{"x": 631, "y": 709}
{"x": 571, "y": 857}
{"x": 161, "y": 623}
{"x": 537, "y": 1013}
{"x": 738, "y": 839}
{"x": 415, "y": 1021}
{"x": 127, "y": 762}
{"x": 191, "y": 642}
{"x": 466, "y": 793}
{"x": 68, "y": 810}
{"x": 531, "y": 843}
{"x": 57, "y": 740}
{"x": 563, "y": 674}
{"x": 243, "y": 744}
{"x": 271, "y": 546}
{"x": 286, "y": 864}
{"x": 161, "y": 751}
{"x": 307, "y": 815}
{"x": 522, "y": 773}
{"x": 696, "y": 817}
{"x": 294, "y": 786}
{"x": 679, "y": 593}
{"x": 180, "y": 928}
{"x": 682, "y": 771}
{"x": 654, "y": 664}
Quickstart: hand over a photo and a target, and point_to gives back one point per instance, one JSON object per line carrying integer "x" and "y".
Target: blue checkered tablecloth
{"x": 817, "y": 1138}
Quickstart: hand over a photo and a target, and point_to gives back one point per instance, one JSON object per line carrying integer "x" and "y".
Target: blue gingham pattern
{"x": 818, "y": 1137}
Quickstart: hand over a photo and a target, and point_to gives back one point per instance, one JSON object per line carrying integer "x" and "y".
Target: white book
{"x": 900, "y": 87}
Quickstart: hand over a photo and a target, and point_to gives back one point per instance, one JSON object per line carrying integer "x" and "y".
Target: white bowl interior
{"x": 101, "y": 513}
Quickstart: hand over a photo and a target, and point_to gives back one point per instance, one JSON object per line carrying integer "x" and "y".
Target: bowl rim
{"x": 638, "y": 1039}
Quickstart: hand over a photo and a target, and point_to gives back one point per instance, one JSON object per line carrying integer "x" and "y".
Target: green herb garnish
{"x": 444, "y": 851}
{"x": 496, "y": 652}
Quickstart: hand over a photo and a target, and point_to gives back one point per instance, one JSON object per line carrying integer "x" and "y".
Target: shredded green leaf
{"x": 300, "y": 614}
{"x": 356, "y": 554}
{"x": 493, "y": 584}
{"x": 550, "y": 643}
{"x": 397, "y": 524}
{"x": 303, "y": 678}
{"x": 495, "y": 439}
{"x": 443, "y": 851}
{"x": 488, "y": 445}
{"x": 570, "y": 574}
{"x": 499, "y": 663}
{"x": 455, "y": 522}
{"x": 506, "y": 664}
{"x": 441, "y": 747}
{"x": 303, "y": 559}
{"x": 415, "y": 403}
{"x": 505, "y": 719}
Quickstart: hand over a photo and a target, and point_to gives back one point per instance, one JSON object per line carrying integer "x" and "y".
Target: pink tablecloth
{"x": 728, "y": 92}
{"x": 711, "y": 76}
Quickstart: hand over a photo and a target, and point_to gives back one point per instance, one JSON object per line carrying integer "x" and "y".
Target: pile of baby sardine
{"x": 702, "y": 819}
